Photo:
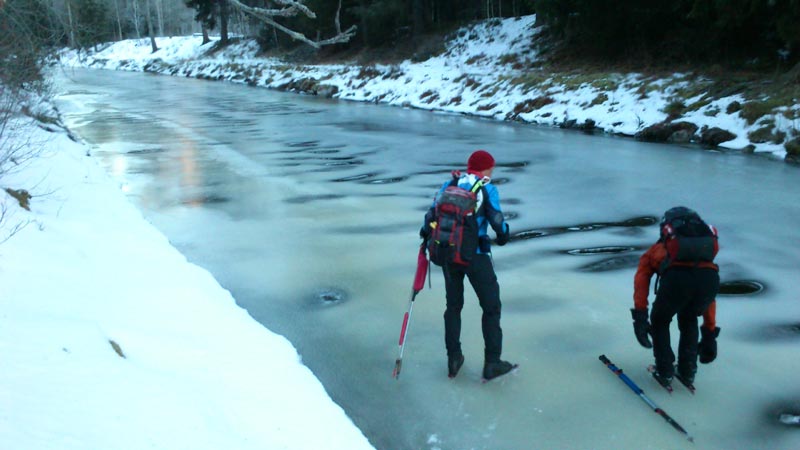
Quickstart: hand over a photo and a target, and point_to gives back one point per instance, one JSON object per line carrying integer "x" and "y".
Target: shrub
{"x": 752, "y": 111}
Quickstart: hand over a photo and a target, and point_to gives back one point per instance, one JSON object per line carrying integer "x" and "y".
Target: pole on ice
{"x": 640, "y": 393}
{"x": 419, "y": 283}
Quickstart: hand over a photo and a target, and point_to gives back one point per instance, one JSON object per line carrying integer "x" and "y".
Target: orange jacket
{"x": 649, "y": 264}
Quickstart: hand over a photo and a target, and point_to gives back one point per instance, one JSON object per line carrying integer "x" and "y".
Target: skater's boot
{"x": 685, "y": 374}
{"x": 496, "y": 368}
{"x": 663, "y": 379}
{"x": 454, "y": 363}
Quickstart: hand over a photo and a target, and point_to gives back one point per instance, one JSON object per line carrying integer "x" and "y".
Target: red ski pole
{"x": 419, "y": 283}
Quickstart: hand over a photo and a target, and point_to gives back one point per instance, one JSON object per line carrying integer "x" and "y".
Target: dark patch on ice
{"x": 147, "y": 151}
{"x": 375, "y": 229}
{"x": 387, "y": 180}
{"x": 304, "y": 144}
{"x": 529, "y": 234}
{"x": 741, "y": 287}
{"x": 510, "y": 201}
{"x": 508, "y": 215}
{"x": 324, "y": 151}
{"x": 355, "y": 162}
{"x": 549, "y": 231}
{"x": 359, "y": 177}
{"x": 333, "y": 167}
{"x": 433, "y": 172}
{"x": 611, "y": 249}
{"x": 514, "y": 165}
{"x": 501, "y": 181}
{"x": 379, "y": 194}
{"x": 783, "y": 414}
{"x": 329, "y": 297}
{"x": 316, "y": 158}
{"x": 608, "y": 264}
{"x": 336, "y": 158}
{"x": 361, "y": 126}
{"x": 777, "y": 332}
{"x": 291, "y": 151}
{"x": 312, "y": 198}
{"x": 206, "y": 200}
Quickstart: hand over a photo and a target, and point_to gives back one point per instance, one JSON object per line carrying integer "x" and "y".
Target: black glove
{"x": 641, "y": 327}
{"x": 707, "y": 350}
{"x": 502, "y": 238}
{"x": 425, "y": 232}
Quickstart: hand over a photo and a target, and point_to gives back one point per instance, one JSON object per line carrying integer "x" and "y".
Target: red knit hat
{"x": 479, "y": 161}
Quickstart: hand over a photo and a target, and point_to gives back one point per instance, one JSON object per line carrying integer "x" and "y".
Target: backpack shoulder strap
{"x": 478, "y": 185}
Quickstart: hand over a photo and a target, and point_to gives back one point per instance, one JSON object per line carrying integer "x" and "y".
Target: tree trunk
{"x": 150, "y": 27}
{"x": 418, "y": 14}
{"x": 119, "y": 20}
{"x": 223, "y": 22}
{"x": 206, "y": 39}
{"x": 136, "y": 23}
{"x": 71, "y": 33}
{"x": 160, "y": 17}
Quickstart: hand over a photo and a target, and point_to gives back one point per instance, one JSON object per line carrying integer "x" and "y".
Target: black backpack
{"x": 688, "y": 239}
{"x": 454, "y": 229}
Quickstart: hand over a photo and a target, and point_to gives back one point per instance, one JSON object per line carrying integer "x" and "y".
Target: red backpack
{"x": 454, "y": 229}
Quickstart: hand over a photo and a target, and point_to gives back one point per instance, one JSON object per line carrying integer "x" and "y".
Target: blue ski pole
{"x": 640, "y": 393}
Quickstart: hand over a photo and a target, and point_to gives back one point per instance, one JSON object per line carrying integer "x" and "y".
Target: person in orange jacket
{"x": 688, "y": 282}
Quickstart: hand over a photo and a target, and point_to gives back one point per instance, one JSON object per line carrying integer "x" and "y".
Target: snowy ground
{"x": 486, "y": 71}
{"x": 109, "y": 338}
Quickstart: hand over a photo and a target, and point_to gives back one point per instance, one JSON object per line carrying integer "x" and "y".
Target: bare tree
{"x": 291, "y": 8}
{"x": 150, "y": 27}
{"x": 16, "y": 149}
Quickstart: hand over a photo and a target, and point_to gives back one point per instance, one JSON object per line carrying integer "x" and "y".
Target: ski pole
{"x": 640, "y": 393}
{"x": 419, "y": 283}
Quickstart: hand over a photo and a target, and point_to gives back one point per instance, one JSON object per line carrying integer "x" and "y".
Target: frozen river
{"x": 307, "y": 210}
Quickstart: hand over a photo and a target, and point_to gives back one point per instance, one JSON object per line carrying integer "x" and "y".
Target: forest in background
{"x": 722, "y": 38}
{"x": 752, "y": 34}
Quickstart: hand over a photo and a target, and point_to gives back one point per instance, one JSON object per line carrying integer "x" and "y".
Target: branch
{"x": 291, "y": 9}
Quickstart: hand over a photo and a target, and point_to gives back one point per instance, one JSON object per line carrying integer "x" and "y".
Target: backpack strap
{"x": 477, "y": 186}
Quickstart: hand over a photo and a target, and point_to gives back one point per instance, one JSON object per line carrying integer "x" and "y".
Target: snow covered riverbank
{"x": 110, "y": 338}
{"x": 487, "y": 70}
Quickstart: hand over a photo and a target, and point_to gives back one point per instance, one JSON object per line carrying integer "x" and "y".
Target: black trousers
{"x": 481, "y": 276}
{"x": 687, "y": 292}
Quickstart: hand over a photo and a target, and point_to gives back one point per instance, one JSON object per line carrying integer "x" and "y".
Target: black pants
{"x": 686, "y": 292}
{"x": 483, "y": 279}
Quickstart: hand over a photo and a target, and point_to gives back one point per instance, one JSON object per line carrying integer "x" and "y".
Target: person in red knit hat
{"x": 478, "y": 268}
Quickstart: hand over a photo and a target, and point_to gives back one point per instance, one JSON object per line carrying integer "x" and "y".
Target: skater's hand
{"x": 641, "y": 327}
{"x": 425, "y": 232}
{"x": 707, "y": 349}
{"x": 503, "y": 238}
